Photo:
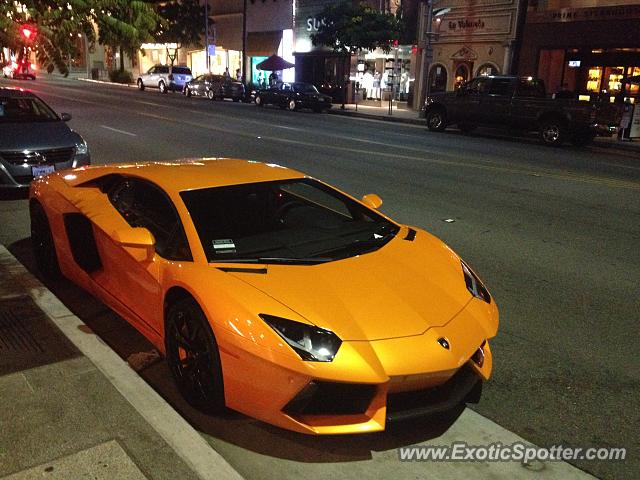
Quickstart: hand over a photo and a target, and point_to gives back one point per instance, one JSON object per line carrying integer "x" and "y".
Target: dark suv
{"x": 215, "y": 87}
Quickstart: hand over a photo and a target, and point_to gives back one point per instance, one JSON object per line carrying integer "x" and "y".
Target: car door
{"x": 496, "y": 104}
{"x": 136, "y": 282}
{"x": 149, "y": 78}
{"x": 197, "y": 85}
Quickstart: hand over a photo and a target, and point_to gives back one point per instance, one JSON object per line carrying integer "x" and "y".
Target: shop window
{"x": 487, "y": 70}
{"x": 634, "y": 88}
{"x": 593, "y": 79}
{"x": 613, "y": 78}
{"x": 438, "y": 78}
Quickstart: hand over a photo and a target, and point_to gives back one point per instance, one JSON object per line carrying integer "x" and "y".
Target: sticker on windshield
{"x": 223, "y": 246}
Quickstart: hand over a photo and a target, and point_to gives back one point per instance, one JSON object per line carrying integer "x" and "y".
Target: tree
{"x": 56, "y": 25}
{"x": 181, "y": 22}
{"x": 349, "y": 29}
{"x": 125, "y": 25}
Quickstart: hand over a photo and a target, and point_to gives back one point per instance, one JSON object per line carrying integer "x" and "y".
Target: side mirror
{"x": 138, "y": 242}
{"x": 65, "y": 117}
{"x": 372, "y": 200}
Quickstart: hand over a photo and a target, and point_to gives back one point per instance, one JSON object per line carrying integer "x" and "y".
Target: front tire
{"x": 193, "y": 356}
{"x": 44, "y": 249}
{"x": 436, "y": 120}
{"x": 140, "y": 85}
{"x": 259, "y": 101}
{"x": 291, "y": 105}
{"x": 210, "y": 95}
{"x": 187, "y": 92}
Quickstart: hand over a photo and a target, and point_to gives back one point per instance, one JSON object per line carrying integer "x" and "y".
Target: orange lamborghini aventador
{"x": 270, "y": 292}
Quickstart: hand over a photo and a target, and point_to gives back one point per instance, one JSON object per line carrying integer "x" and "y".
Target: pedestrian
{"x": 624, "y": 132}
{"x": 273, "y": 79}
{"x": 238, "y": 75}
{"x": 226, "y": 74}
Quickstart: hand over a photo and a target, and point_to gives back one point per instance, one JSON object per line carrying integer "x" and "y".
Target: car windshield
{"x": 25, "y": 109}
{"x": 292, "y": 221}
{"x": 304, "y": 88}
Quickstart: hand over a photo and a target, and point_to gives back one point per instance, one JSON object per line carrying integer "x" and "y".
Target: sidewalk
{"x": 407, "y": 116}
{"x": 73, "y": 409}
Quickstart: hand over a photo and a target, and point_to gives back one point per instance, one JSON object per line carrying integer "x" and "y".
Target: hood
{"x": 36, "y": 136}
{"x": 403, "y": 289}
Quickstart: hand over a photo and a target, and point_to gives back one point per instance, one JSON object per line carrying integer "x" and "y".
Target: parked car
{"x": 34, "y": 140}
{"x": 294, "y": 96}
{"x": 165, "y": 78}
{"x": 272, "y": 293}
{"x": 215, "y": 87}
{"x": 519, "y": 103}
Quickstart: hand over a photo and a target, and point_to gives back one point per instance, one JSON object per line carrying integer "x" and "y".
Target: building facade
{"x": 590, "y": 47}
{"x": 469, "y": 38}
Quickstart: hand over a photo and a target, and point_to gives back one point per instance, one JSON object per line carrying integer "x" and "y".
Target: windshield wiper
{"x": 276, "y": 260}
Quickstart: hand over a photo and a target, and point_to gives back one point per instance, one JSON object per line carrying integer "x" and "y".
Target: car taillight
{"x": 171, "y": 76}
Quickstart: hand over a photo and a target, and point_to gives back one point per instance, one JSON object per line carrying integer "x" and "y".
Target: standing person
{"x": 273, "y": 79}
{"x": 624, "y": 133}
{"x": 238, "y": 75}
{"x": 226, "y": 74}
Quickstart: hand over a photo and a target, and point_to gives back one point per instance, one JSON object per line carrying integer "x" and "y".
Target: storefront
{"x": 588, "y": 51}
{"x": 468, "y": 39}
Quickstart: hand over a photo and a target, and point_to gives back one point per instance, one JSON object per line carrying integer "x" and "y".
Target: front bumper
{"x": 367, "y": 385}
{"x": 19, "y": 176}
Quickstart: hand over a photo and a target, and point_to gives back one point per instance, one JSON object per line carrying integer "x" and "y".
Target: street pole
{"x": 244, "y": 43}
{"x": 427, "y": 57}
{"x": 206, "y": 34}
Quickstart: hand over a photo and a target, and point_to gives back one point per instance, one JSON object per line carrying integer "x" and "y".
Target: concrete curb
{"x": 90, "y": 80}
{"x": 186, "y": 442}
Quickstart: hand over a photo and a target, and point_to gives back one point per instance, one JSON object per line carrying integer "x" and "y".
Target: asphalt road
{"x": 555, "y": 234}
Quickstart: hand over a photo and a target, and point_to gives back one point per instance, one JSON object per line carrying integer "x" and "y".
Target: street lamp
{"x": 427, "y": 51}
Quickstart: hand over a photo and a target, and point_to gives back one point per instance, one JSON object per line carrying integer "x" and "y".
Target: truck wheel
{"x": 467, "y": 127}
{"x": 552, "y": 132}
{"x": 436, "y": 120}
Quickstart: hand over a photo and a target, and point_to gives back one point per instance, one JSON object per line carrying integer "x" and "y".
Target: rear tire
{"x": 162, "y": 87}
{"x": 44, "y": 249}
{"x": 291, "y": 105}
{"x": 436, "y": 120}
{"x": 187, "y": 92}
{"x": 140, "y": 85}
{"x": 193, "y": 356}
{"x": 210, "y": 95}
{"x": 552, "y": 132}
{"x": 259, "y": 101}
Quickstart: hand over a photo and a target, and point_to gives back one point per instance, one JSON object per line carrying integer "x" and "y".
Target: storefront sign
{"x": 314, "y": 24}
{"x": 489, "y": 25}
{"x": 621, "y": 12}
{"x": 635, "y": 123}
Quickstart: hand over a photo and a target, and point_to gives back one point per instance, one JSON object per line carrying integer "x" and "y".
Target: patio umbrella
{"x": 273, "y": 63}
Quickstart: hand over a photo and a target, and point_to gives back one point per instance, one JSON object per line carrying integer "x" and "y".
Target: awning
{"x": 263, "y": 44}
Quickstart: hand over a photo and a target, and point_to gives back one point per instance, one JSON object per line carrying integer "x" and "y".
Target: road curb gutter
{"x": 186, "y": 442}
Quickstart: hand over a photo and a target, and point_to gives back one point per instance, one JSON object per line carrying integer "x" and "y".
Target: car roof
{"x": 16, "y": 92}
{"x": 189, "y": 174}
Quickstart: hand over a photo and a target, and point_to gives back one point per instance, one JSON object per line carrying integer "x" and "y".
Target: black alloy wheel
{"x": 193, "y": 356}
{"x": 44, "y": 249}
{"x": 552, "y": 132}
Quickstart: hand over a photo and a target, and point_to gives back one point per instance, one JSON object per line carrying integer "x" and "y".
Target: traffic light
{"x": 27, "y": 33}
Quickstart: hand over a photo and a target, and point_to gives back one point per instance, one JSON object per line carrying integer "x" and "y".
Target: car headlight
{"x": 312, "y": 343}
{"x": 474, "y": 285}
{"x": 81, "y": 148}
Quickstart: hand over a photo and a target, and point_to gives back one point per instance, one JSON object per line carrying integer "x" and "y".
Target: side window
{"x": 500, "y": 87}
{"x": 478, "y": 86}
{"x": 143, "y": 204}
{"x": 530, "y": 88}
{"x": 151, "y": 71}
{"x": 163, "y": 70}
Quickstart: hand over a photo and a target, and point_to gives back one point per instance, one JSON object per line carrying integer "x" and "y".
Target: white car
{"x": 165, "y": 78}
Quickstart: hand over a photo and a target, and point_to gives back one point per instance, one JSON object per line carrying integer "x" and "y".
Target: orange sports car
{"x": 270, "y": 292}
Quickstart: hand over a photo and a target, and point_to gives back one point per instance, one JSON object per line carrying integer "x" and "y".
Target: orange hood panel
{"x": 403, "y": 289}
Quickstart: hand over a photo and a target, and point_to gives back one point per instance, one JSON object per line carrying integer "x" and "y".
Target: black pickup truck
{"x": 519, "y": 103}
